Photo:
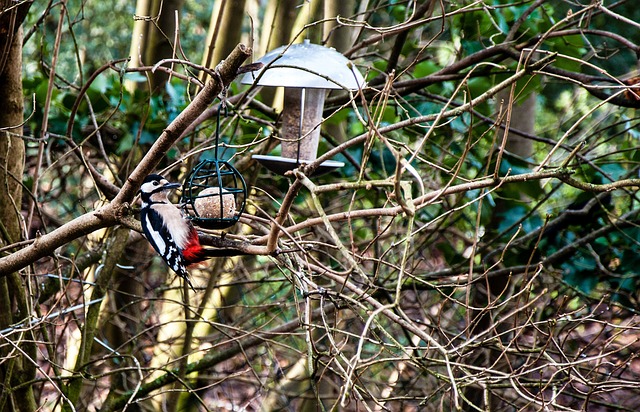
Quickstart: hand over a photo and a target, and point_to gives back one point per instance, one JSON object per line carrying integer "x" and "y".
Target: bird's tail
{"x": 182, "y": 272}
{"x": 203, "y": 254}
{"x": 194, "y": 253}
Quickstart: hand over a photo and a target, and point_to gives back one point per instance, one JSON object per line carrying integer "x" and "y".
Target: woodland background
{"x": 478, "y": 251}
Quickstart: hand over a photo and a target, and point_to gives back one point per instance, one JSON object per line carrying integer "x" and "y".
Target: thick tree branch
{"x": 46, "y": 244}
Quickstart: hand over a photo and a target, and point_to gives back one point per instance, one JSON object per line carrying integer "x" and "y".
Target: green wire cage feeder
{"x": 214, "y": 194}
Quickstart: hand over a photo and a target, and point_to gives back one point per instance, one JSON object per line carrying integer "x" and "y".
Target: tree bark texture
{"x": 14, "y": 371}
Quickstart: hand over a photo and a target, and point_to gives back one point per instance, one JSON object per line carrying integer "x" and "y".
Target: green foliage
{"x": 111, "y": 102}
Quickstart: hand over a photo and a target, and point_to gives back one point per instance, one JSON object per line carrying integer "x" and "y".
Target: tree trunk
{"x": 280, "y": 16}
{"x": 225, "y": 30}
{"x": 337, "y": 36}
{"x": 11, "y": 144}
{"x": 14, "y": 371}
{"x": 153, "y": 38}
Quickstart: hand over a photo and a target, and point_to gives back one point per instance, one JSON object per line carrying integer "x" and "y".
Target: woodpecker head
{"x": 155, "y": 189}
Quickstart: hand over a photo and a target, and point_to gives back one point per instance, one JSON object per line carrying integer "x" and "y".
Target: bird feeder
{"x": 214, "y": 192}
{"x": 306, "y": 71}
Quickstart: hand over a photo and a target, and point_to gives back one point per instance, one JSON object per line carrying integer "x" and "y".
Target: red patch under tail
{"x": 194, "y": 252}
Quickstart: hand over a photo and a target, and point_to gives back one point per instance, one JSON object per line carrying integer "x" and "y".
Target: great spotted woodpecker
{"x": 169, "y": 232}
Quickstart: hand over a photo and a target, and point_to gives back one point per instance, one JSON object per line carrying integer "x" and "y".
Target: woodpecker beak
{"x": 170, "y": 186}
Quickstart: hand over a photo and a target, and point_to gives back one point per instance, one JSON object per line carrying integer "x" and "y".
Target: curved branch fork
{"x": 111, "y": 213}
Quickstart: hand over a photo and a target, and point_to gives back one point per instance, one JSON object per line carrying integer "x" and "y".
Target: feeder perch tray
{"x": 281, "y": 165}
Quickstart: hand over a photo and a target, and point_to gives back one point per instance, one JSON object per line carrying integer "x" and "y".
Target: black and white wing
{"x": 162, "y": 241}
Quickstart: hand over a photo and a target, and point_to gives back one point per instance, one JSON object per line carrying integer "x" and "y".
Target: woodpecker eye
{"x": 155, "y": 183}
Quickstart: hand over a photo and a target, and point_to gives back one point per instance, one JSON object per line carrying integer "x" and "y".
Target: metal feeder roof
{"x": 306, "y": 65}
